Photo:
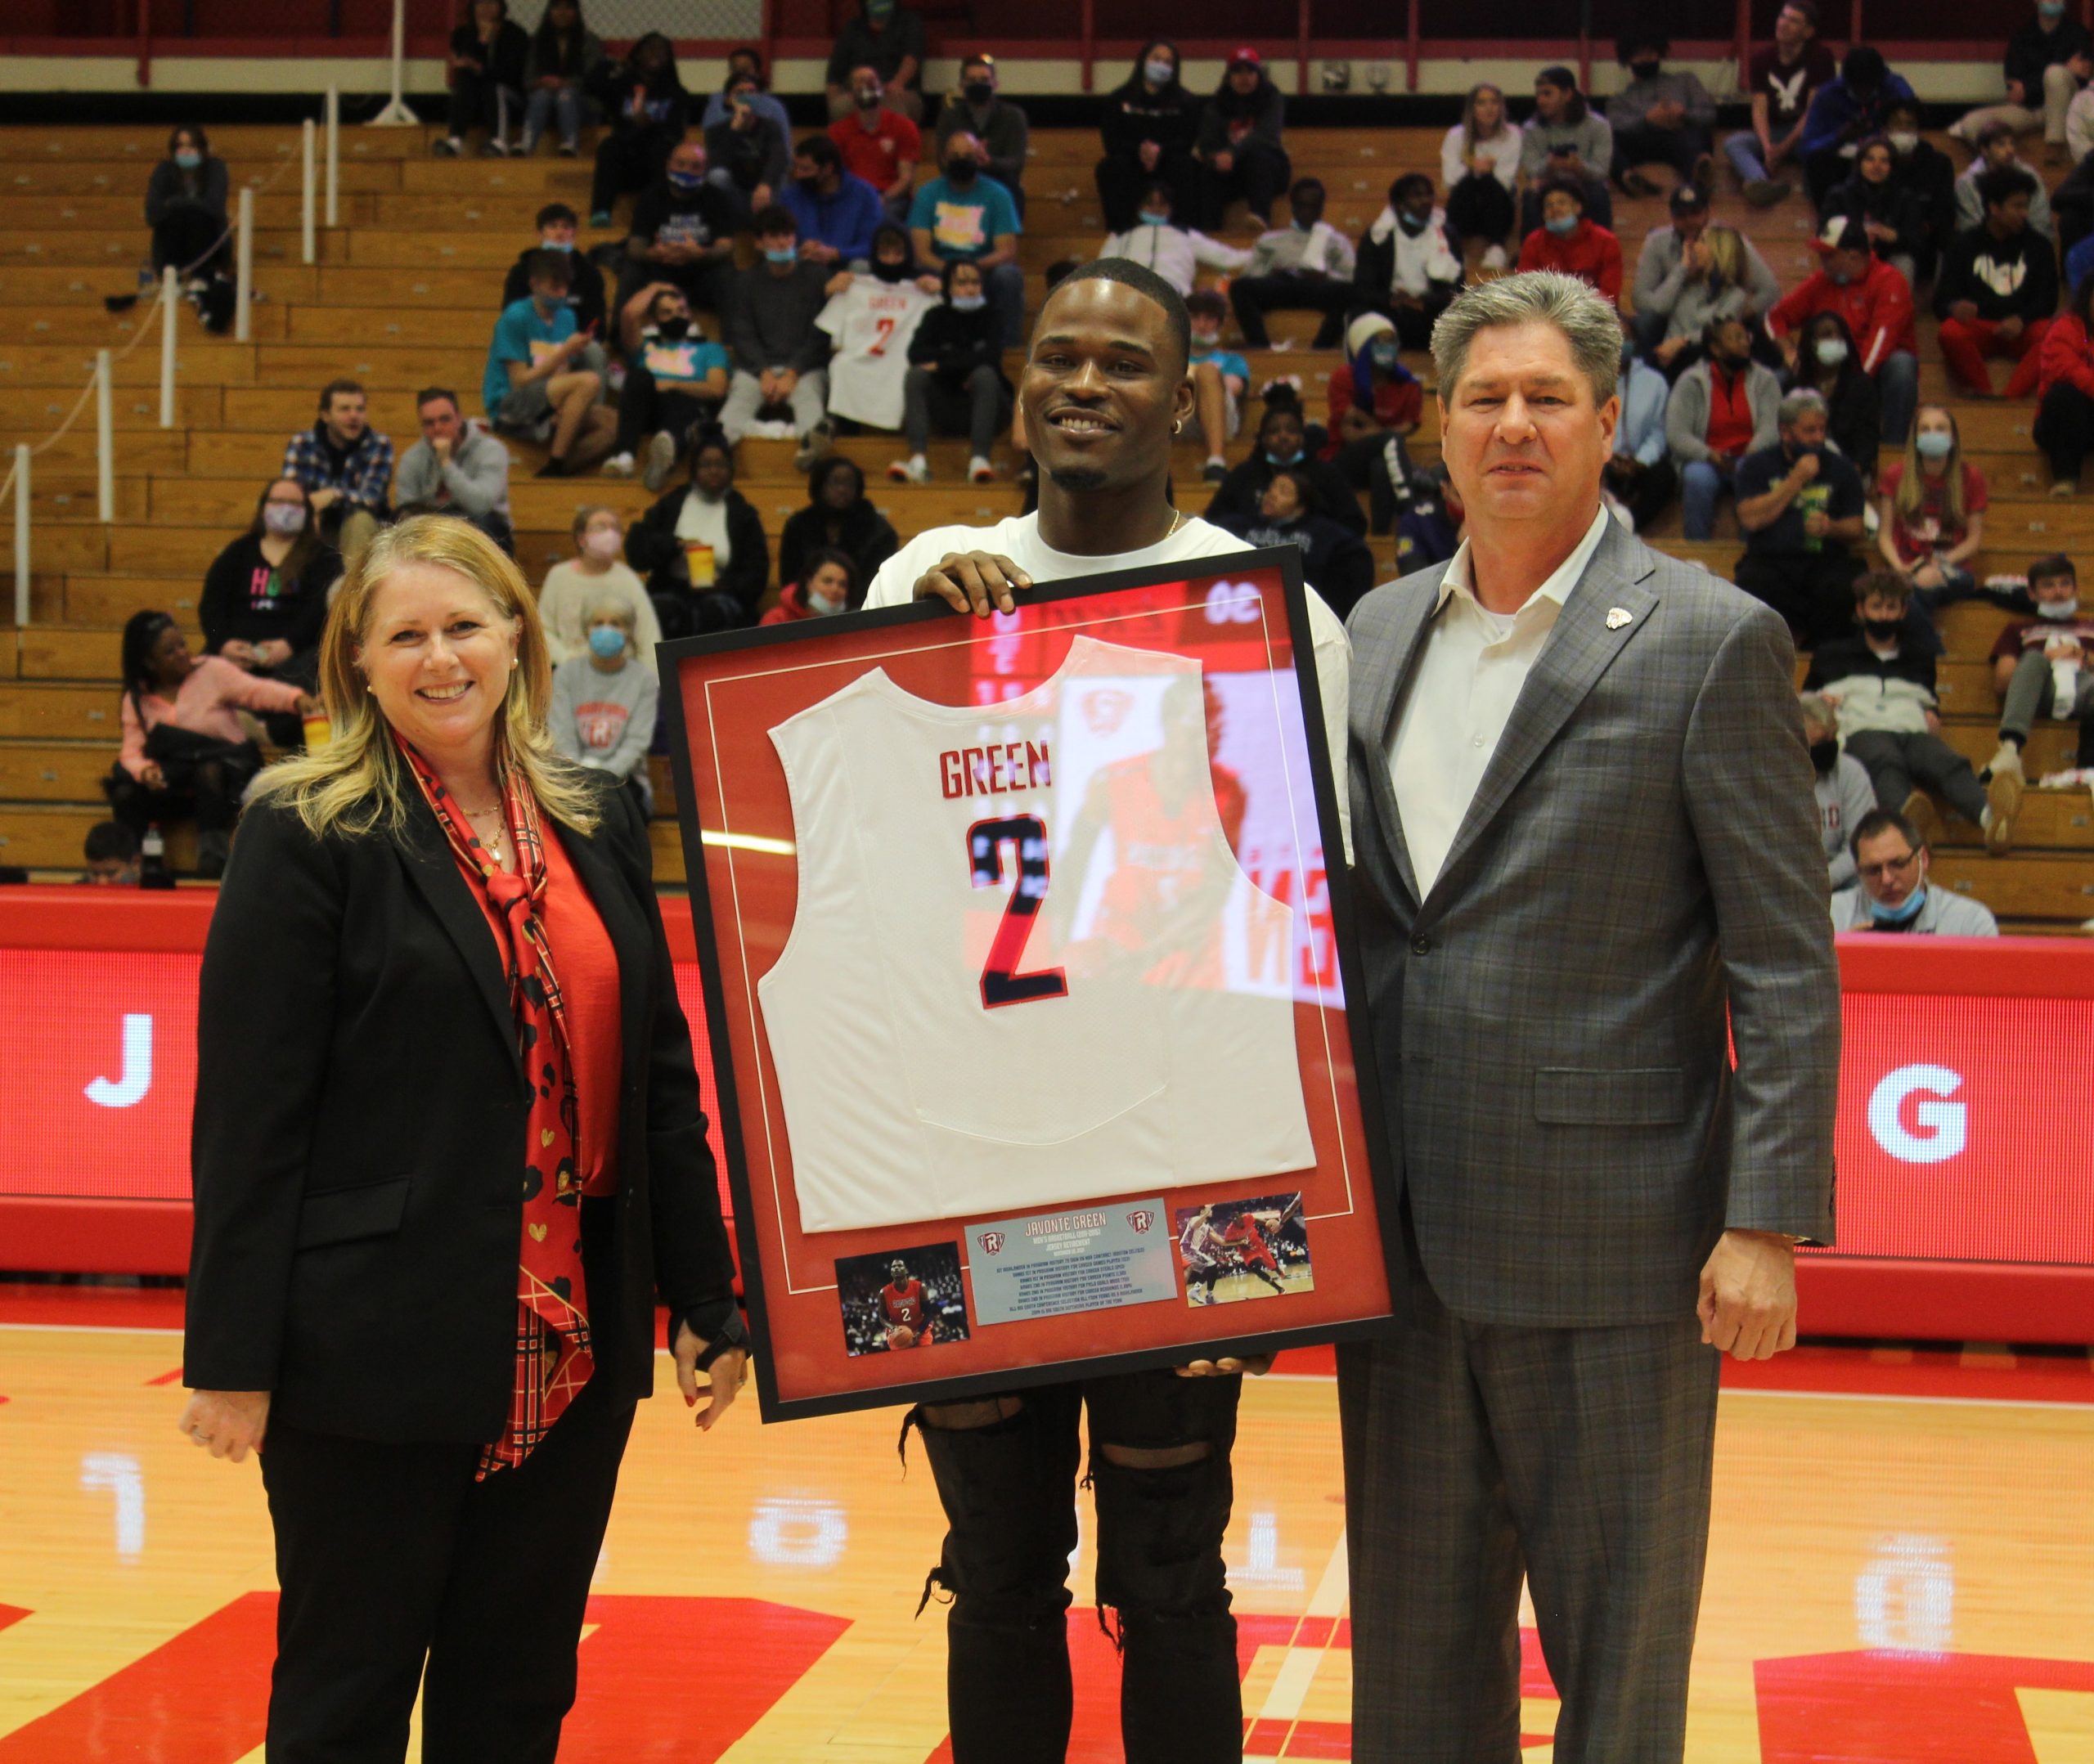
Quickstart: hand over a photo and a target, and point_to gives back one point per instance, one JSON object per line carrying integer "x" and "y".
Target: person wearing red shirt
{"x": 1565, "y": 240}
{"x": 1877, "y": 303}
{"x": 879, "y": 145}
{"x": 2064, "y": 392}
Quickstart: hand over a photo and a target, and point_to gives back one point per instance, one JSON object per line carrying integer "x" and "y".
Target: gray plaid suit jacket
{"x": 1550, "y": 1019}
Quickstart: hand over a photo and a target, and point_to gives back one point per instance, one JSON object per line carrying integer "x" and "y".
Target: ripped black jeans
{"x": 1008, "y": 1493}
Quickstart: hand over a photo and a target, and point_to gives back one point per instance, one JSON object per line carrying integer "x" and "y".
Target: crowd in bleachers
{"x": 803, "y": 284}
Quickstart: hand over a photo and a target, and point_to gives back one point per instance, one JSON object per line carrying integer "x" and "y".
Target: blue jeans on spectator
{"x": 543, "y": 110}
{"x": 1898, "y": 384}
{"x": 1742, "y": 150}
{"x": 1700, "y": 483}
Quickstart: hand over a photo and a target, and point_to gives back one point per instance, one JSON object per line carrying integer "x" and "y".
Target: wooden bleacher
{"x": 403, "y": 295}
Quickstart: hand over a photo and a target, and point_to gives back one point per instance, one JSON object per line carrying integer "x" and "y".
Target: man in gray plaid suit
{"x": 1582, "y": 806}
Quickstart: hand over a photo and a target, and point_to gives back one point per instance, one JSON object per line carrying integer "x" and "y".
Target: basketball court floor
{"x": 1901, "y": 1571}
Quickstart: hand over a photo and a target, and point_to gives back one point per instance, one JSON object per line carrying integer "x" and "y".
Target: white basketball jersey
{"x": 1024, "y": 967}
{"x": 873, "y": 322}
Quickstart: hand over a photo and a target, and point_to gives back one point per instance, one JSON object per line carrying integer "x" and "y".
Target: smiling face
{"x": 1876, "y": 164}
{"x": 830, "y": 584}
{"x": 1103, "y": 384}
{"x": 1522, "y": 439}
{"x": 438, "y": 654}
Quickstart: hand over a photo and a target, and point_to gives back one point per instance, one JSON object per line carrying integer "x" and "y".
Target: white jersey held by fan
{"x": 1026, "y": 926}
{"x": 873, "y": 323}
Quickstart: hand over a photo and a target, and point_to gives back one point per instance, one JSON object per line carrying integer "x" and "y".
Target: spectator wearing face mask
{"x": 683, "y": 232}
{"x": 1372, "y": 396}
{"x": 566, "y": 59}
{"x": 1884, "y": 689}
{"x": 557, "y": 224}
{"x": 1148, "y": 126}
{"x": 1157, "y": 242}
{"x": 838, "y": 516}
{"x": 2048, "y": 60}
{"x": 781, "y": 354}
{"x": 1826, "y": 364}
{"x": 346, "y": 466}
{"x": 828, "y": 584}
{"x": 2041, "y": 667}
{"x": 1639, "y": 478}
{"x": 955, "y": 379}
{"x": 879, "y": 144}
{"x": 1660, "y": 118}
{"x": 674, "y": 383}
{"x": 1221, "y": 378}
{"x": 1925, "y": 172}
{"x": 1408, "y": 268}
{"x": 1566, "y": 139}
{"x": 1997, "y": 291}
{"x": 1931, "y": 519}
{"x": 646, "y": 103}
{"x": 489, "y": 55}
{"x": 2064, "y": 392}
{"x": 604, "y": 702}
{"x": 1569, "y": 241}
{"x": 1307, "y": 265}
{"x": 265, "y": 596}
{"x": 1844, "y": 796}
{"x": 596, "y": 572}
{"x": 1280, "y": 446}
{"x": 1240, "y": 146}
{"x": 186, "y": 204}
{"x": 1876, "y": 303}
{"x": 702, "y": 548}
{"x": 1887, "y": 213}
{"x": 965, "y": 216}
{"x": 534, "y": 386}
{"x": 1800, "y": 505}
{"x": 1844, "y": 113}
{"x": 1720, "y": 409}
{"x": 746, "y": 154}
{"x": 1892, "y": 893}
{"x": 1334, "y": 561}
{"x": 987, "y": 125}
{"x": 1480, "y": 165}
{"x": 889, "y": 39}
{"x": 871, "y": 319}
{"x": 456, "y": 468}
{"x": 837, "y": 213}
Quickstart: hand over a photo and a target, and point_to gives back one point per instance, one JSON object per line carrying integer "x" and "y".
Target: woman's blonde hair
{"x": 1911, "y": 495}
{"x": 359, "y": 782}
{"x": 1469, "y": 137}
{"x": 1726, "y": 254}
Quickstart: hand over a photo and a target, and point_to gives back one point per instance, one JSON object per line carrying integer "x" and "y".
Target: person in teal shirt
{"x": 966, "y": 217}
{"x": 532, "y": 387}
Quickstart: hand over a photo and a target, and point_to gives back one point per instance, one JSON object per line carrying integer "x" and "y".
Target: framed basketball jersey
{"x": 1025, "y": 973}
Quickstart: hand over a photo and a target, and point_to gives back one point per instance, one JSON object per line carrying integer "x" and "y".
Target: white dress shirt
{"x": 1470, "y": 665}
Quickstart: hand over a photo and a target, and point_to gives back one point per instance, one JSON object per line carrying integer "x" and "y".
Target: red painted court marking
{"x": 11, "y": 1614}
{"x": 1925, "y": 1372}
{"x": 1913, "y": 1708}
{"x": 173, "y": 1377}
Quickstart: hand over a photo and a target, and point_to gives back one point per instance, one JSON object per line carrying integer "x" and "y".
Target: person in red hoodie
{"x": 1565, "y": 240}
{"x": 2064, "y": 392}
{"x": 1876, "y": 302}
{"x": 830, "y": 586}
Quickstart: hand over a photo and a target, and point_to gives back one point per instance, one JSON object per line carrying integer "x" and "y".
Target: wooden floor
{"x": 1902, "y": 1570}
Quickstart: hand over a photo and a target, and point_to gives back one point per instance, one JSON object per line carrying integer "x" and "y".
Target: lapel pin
{"x": 1617, "y": 616}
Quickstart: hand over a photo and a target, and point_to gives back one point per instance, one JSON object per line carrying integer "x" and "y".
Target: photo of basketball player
{"x": 1235, "y": 1250}
{"x": 897, "y": 1298}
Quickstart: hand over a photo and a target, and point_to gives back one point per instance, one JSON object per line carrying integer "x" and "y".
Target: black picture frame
{"x": 775, "y": 1407}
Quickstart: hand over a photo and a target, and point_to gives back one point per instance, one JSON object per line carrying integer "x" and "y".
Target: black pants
{"x": 1258, "y": 174}
{"x": 1480, "y": 208}
{"x": 1413, "y": 323}
{"x": 186, "y": 237}
{"x": 1646, "y": 494}
{"x": 2065, "y": 429}
{"x": 1813, "y": 590}
{"x": 392, "y": 1558}
{"x": 1121, "y": 179}
{"x": 1679, "y": 148}
{"x": 646, "y": 406}
{"x": 1008, "y": 1491}
{"x": 630, "y": 158}
{"x": 1251, "y": 297}
{"x": 478, "y": 101}
{"x": 977, "y": 407}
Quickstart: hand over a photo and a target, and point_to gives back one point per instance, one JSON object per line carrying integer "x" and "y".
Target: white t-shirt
{"x": 1017, "y": 538}
{"x": 872, "y": 322}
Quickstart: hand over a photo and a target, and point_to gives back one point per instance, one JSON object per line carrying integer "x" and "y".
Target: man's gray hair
{"x": 1795, "y": 405}
{"x": 1589, "y": 323}
{"x": 1819, "y": 709}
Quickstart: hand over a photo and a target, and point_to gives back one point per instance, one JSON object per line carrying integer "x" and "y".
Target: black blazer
{"x": 359, "y": 1134}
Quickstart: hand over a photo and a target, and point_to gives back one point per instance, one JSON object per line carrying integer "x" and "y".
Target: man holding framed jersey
{"x": 1104, "y": 387}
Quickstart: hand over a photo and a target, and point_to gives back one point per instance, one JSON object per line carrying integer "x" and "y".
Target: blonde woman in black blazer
{"x": 437, "y": 948}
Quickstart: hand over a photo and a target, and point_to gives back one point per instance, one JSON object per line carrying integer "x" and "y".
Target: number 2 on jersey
{"x": 879, "y": 342}
{"x": 1001, "y": 982}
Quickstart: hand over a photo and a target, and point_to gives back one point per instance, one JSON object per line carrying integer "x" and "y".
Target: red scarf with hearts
{"x": 553, "y": 1355}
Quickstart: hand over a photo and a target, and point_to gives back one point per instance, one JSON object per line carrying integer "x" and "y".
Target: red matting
{"x": 818, "y": 1320}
